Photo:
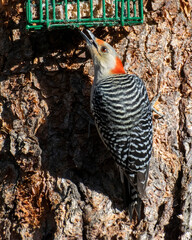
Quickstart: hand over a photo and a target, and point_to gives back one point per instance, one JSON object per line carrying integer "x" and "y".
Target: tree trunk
{"x": 57, "y": 180}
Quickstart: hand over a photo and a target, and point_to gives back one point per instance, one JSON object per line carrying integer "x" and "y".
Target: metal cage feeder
{"x": 69, "y": 13}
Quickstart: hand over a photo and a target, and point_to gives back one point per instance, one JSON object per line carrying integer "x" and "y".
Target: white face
{"x": 104, "y": 58}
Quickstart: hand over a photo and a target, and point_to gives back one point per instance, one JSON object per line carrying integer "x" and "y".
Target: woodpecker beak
{"x": 91, "y": 42}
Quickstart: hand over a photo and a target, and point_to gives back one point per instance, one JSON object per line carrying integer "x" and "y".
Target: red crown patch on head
{"x": 99, "y": 41}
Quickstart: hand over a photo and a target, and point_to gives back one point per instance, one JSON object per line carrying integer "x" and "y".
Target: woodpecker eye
{"x": 104, "y": 49}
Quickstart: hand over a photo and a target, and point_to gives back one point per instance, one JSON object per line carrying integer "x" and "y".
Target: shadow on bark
{"x": 173, "y": 229}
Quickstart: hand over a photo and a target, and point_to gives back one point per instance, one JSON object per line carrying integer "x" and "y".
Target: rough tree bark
{"x": 56, "y": 181}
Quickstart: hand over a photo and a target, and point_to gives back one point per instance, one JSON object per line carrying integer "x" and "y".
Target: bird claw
{"x": 90, "y": 120}
{"x": 153, "y": 103}
{"x": 160, "y": 114}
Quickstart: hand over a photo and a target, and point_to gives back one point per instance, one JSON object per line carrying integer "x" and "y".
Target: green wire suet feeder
{"x": 88, "y": 13}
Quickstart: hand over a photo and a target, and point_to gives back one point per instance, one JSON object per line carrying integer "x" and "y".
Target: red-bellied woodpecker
{"x": 122, "y": 114}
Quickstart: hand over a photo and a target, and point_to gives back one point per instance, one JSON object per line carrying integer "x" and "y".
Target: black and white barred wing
{"x": 122, "y": 115}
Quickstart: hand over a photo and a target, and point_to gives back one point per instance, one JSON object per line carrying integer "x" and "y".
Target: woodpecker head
{"x": 105, "y": 59}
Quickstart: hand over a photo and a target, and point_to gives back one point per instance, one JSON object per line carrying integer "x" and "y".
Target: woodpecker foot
{"x": 90, "y": 121}
{"x": 160, "y": 114}
{"x": 88, "y": 118}
{"x": 153, "y": 103}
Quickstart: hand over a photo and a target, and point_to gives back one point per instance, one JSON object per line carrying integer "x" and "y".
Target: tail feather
{"x": 132, "y": 200}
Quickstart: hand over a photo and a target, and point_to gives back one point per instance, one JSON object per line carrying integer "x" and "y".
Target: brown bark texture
{"x": 57, "y": 180}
